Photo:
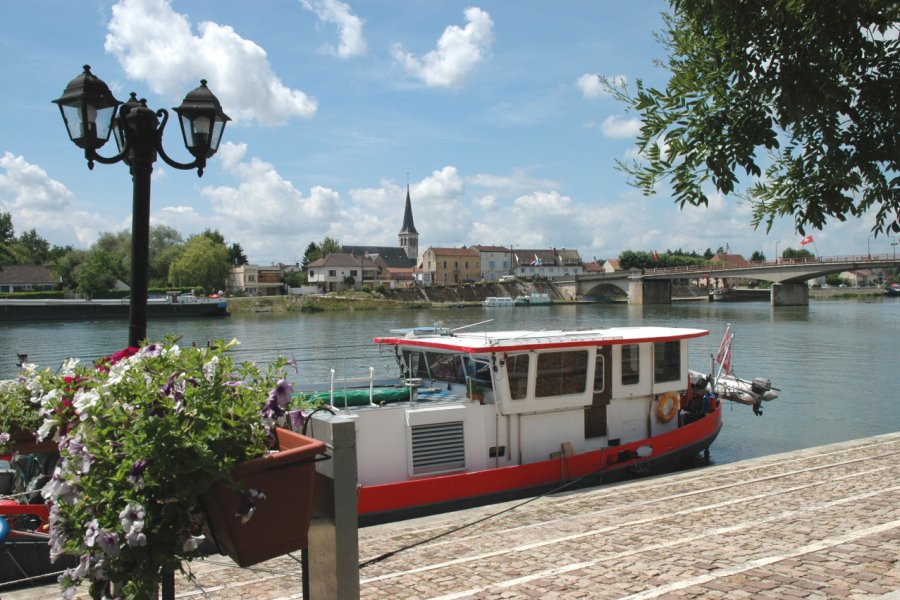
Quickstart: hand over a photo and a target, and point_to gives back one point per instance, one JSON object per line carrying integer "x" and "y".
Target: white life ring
{"x": 667, "y": 407}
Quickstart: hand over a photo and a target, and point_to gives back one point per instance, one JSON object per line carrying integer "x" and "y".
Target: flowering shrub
{"x": 142, "y": 435}
{"x": 20, "y": 408}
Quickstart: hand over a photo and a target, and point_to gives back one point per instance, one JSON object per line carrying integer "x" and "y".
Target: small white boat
{"x": 729, "y": 386}
{"x": 498, "y": 301}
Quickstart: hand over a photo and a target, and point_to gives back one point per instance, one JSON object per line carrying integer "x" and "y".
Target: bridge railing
{"x": 804, "y": 260}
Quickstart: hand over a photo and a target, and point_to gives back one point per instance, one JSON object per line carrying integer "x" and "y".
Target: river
{"x": 835, "y": 362}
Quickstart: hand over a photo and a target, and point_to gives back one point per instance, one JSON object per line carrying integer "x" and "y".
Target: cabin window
{"x": 599, "y": 373}
{"x": 433, "y": 365}
{"x": 561, "y": 373}
{"x": 517, "y": 373}
{"x": 666, "y": 361}
{"x": 631, "y": 364}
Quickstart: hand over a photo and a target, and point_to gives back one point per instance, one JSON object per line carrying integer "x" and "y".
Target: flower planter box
{"x": 25, "y": 442}
{"x": 280, "y": 523}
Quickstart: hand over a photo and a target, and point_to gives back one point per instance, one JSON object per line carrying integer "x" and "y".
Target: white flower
{"x": 209, "y": 369}
{"x": 68, "y": 367}
{"x": 85, "y": 400}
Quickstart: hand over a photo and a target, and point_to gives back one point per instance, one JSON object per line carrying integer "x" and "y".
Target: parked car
{"x": 507, "y": 279}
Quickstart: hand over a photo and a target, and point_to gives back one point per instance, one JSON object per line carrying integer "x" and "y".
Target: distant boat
{"x": 534, "y": 299}
{"x": 170, "y": 306}
{"x": 892, "y": 290}
{"x": 498, "y": 301}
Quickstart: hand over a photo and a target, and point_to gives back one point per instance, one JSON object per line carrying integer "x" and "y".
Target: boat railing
{"x": 348, "y": 382}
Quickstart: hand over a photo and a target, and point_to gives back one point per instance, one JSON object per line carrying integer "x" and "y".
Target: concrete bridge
{"x": 788, "y": 276}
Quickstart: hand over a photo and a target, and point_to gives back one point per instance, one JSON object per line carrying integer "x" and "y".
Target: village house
{"x": 27, "y": 278}
{"x": 450, "y": 265}
{"x": 342, "y": 271}
{"x": 496, "y": 261}
{"x": 255, "y": 280}
{"x": 547, "y": 262}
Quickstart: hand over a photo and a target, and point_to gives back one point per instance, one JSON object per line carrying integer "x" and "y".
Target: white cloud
{"x": 35, "y": 201}
{"x": 155, "y": 44}
{"x": 458, "y": 52}
{"x": 591, "y": 85}
{"x": 349, "y": 25}
{"x": 618, "y": 127}
{"x": 517, "y": 182}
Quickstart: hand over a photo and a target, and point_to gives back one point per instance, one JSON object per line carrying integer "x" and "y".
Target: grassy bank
{"x": 344, "y": 302}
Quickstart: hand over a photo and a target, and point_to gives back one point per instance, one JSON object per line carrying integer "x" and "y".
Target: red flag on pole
{"x": 807, "y": 240}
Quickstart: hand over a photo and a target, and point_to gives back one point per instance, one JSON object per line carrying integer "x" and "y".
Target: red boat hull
{"x": 429, "y": 495}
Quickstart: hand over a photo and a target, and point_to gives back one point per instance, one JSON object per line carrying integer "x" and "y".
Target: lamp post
{"x": 776, "y": 251}
{"x": 89, "y": 110}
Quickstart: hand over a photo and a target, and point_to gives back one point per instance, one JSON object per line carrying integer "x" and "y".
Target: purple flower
{"x": 136, "y": 474}
{"x": 293, "y": 363}
{"x": 282, "y": 393}
{"x": 298, "y": 419}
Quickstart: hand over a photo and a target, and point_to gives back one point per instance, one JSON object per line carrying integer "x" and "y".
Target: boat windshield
{"x": 448, "y": 367}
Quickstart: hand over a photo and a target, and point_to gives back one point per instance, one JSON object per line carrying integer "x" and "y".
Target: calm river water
{"x": 835, "y": 362}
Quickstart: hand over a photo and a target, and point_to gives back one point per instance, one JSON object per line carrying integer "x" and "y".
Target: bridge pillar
{"x": 790, "y": 294}
{"x": 649, "y": 291}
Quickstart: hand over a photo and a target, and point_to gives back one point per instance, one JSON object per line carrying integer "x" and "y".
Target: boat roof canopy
{"x": 487, "y": 342}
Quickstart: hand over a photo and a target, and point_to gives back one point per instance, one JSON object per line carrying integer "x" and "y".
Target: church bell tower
{"x": 409, "y": 237}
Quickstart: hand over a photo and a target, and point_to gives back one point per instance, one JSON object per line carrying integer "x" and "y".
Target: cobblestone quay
{"x": 817, "y": 523}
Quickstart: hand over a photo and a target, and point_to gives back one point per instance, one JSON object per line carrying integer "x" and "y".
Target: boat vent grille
{"x": 438, "y": 447}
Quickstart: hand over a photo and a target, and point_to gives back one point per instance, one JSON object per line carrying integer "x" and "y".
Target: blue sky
{"x": 488, "y": 110}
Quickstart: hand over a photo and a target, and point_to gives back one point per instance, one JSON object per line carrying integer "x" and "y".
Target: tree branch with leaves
{"x": 800, "y": 97}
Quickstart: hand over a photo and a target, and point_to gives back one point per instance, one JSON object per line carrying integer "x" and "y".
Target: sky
{"x": 489, "y": 111}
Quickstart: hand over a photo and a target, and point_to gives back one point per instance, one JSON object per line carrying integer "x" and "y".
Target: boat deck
{"x": 819, "y": 523}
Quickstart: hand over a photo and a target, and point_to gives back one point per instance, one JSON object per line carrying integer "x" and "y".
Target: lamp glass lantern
{"x": 87, "y": 108}
{"x": 202, "y": 122}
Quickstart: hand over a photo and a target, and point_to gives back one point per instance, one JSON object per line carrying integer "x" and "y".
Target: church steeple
{"x": 409, "y": 237}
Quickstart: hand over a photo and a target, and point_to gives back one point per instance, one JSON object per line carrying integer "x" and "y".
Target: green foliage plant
{"x": 142, "y": 434}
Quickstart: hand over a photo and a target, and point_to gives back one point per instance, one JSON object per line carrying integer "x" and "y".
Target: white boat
{"x": 729, "y": 386}
{"x": 481, "y": 416}
{"x": 498, "y": 301}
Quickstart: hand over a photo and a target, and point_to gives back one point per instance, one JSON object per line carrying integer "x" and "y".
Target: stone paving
{"x": 817, "y": 523}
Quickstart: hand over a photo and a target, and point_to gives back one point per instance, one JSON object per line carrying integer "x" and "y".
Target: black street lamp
{"x": 89, "y": 109}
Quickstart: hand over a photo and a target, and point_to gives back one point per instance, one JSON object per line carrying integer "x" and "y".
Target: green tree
{"x": 799, "y": 253}
{"x": 37, "y": 247}
{"x": 7, "y": 237}
{"x": 165, "y": 246}
{"x": 316, "y": 251}
{"x": 757, "y": 256}
{"x": 119, "y": 246}
{"x": 236, "y": 256}
{"x": 203, "y": 264}
{"x": 816, "y": 85}
{"x": 296, "y": 278}
{"x": 65, "y": 266}
{"x": 7, "y": 231}
{"x": 214, "y": 236}
{"x": 97, "y": 273}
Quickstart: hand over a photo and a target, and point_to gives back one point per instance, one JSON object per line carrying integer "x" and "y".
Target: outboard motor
{"x": 759, "y": 385}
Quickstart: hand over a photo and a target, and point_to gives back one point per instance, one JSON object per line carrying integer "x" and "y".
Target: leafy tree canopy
{"x": 236, "y": 255}
{"x": 97, "y": 273}
{"x": 203, "y": 263}
{"x": 316, "y": 251}
{"x": 814, "y": 85}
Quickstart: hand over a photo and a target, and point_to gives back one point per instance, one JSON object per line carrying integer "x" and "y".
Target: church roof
{"x": 408, "y": 225}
